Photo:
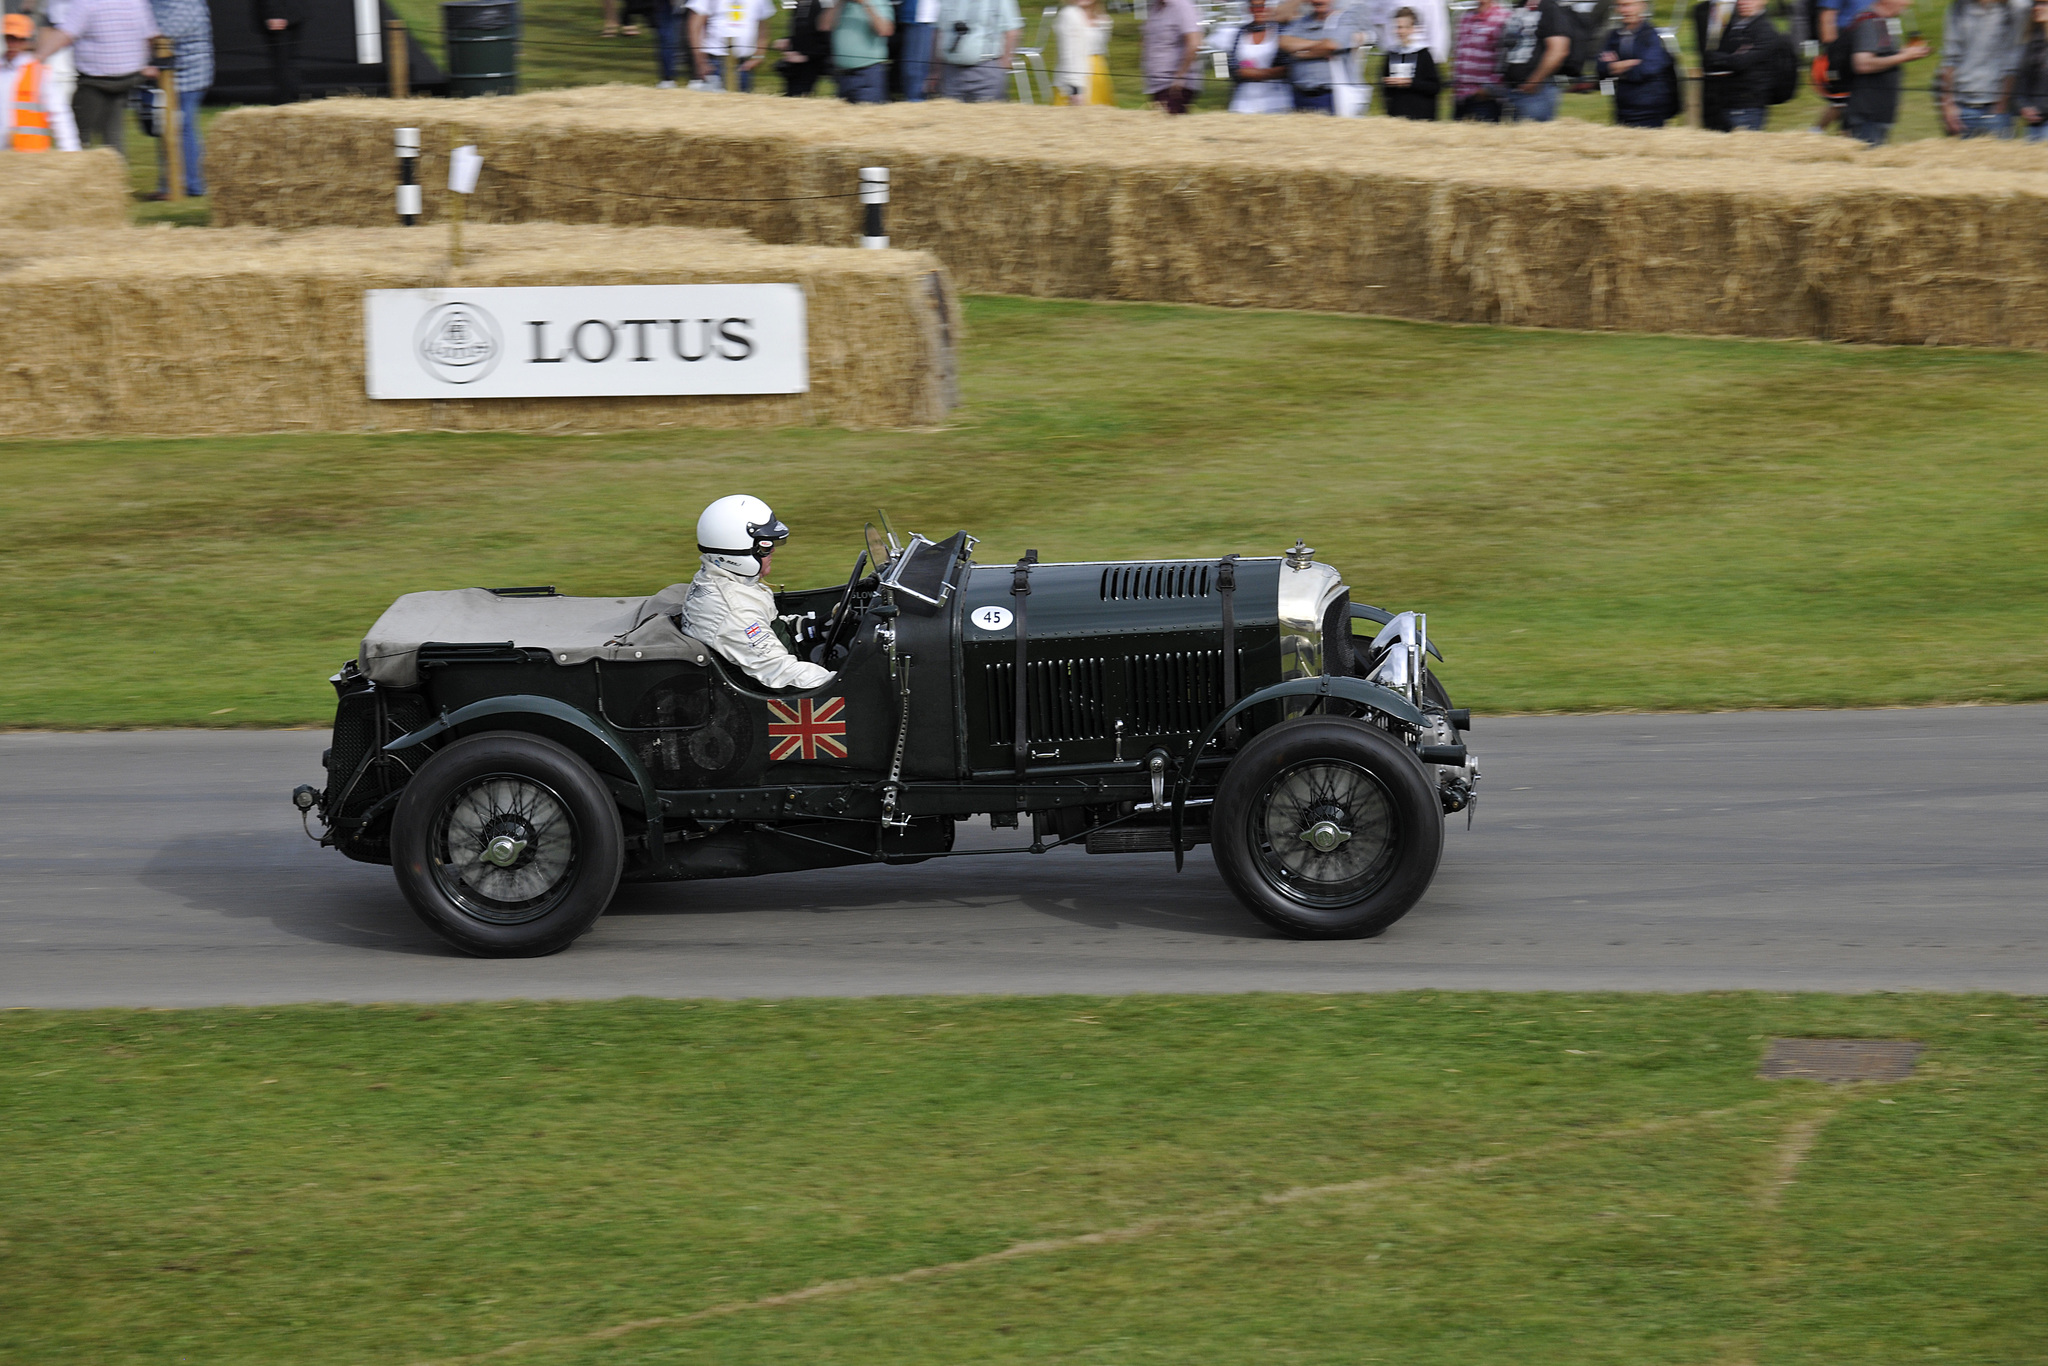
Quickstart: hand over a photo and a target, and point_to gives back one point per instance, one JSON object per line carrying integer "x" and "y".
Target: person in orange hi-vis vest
{"x": 34, "y": 122}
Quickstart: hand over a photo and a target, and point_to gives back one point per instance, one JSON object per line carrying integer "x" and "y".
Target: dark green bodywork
{"x": 1125, "y": 661}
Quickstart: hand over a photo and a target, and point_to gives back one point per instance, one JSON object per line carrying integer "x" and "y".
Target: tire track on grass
{"x": 1779, "y": 1258}
{"x": 1127, "y": 1233}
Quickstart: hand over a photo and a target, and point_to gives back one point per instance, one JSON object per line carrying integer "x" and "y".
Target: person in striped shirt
{"x": 1475, "y": 64}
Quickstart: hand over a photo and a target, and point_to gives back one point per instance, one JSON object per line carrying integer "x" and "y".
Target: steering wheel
{"x": 843, "y": 622}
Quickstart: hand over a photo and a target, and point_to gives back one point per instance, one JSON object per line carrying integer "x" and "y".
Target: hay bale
{"x": 63, "y": 190}
{"x": 1563, "y": 225}
{"x": 179, "y": 332}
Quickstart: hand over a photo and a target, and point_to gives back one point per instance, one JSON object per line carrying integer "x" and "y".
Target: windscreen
{"x": 928, "y": 574}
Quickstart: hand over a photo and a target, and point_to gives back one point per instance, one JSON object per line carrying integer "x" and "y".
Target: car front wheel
{"x": 507, "y": 846}
{"x": 1327, "y": 829}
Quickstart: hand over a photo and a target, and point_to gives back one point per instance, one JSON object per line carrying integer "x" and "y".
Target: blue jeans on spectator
{"x": 716, "y": 80}
{"x": 1983, "y": 121}
{"x": 1306, "y": 103}
{"x": 864, "y": 84}
{"x": 188, "y": 147}
{"x": 668, "y": 38}
{"x": 916, "y": 63}
{"x": 1539, "y": 107}
{"x": 1870, "y": 134}
{"x": 1747, "y": 120}
{"x": 2037, "y": 132}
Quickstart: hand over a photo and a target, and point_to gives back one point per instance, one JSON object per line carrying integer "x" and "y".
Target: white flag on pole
{"x": 463, "y": 165}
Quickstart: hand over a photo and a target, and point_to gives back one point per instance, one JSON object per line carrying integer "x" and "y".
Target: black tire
{"x": 550, "y": 878}
{"x": 1386, "y": 827}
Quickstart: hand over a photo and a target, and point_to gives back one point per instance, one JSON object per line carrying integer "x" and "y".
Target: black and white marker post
{"x": 408, "y": 140}
{"x": 874, "y": 194}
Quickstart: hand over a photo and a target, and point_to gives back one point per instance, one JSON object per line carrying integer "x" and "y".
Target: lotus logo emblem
{"x": 459, "y": 343}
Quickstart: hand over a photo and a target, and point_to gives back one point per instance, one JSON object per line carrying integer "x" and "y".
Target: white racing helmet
{"x": 736, "y": 531}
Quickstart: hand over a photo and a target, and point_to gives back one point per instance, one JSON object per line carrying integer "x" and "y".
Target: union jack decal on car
{"x": 806, "y": 728}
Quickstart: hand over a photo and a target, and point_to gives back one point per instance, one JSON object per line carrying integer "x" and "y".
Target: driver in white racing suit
{"x": 729, "y": 607}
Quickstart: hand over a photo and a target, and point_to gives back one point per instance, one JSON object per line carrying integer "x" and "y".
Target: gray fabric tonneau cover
{"x": 573, "y": 630}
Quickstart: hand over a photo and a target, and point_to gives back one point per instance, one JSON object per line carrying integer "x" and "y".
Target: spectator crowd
{"x": 75, "y": 68}
{"x": 1493, "y": 61}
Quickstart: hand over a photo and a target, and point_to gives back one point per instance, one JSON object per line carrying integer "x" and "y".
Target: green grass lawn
{"x": 1592, "y": 521}
{"x": 1418, "y": 1178}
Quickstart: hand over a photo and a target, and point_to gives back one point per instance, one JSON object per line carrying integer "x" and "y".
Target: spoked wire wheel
{"x": 507, "y": 844}
{"x": 1325, "y": 833}
{"x": 1327, "y": 828}
{"x": 504, "y": 848}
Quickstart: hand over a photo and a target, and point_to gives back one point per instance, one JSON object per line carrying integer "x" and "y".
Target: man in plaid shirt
{"x": 111, "y": 39}
{"x": 1475, "y": 64}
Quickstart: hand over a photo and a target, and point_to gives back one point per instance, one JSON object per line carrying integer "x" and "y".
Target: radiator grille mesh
{"x": 1067, "y": 698}
{"x": 1169, "y": 693}
{"x": 1174, "y": 693}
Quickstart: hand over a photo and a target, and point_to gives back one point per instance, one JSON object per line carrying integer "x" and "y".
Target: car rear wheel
{"x": 1327, "y": 829}
{"x": 508, "y": 846}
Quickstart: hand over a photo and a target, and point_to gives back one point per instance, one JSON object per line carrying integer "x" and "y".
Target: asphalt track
{"x": 1841, "y": 851}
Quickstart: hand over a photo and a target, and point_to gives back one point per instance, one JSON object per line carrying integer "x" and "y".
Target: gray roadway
{"x": 1790, "y": 850}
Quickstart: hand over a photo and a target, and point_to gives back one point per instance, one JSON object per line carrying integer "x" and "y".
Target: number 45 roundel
{"x": 807, "y": 728}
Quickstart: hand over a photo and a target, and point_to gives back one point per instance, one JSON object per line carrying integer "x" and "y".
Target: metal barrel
{"x": 483, "y": 46}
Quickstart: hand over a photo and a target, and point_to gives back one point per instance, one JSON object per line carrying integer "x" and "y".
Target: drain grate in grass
{"x": 1839, "y": 1060}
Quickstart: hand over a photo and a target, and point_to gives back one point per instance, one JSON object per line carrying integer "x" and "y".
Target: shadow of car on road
{"x": 300, "y": 889}
{"x": 315, "y": 895}
{"x": 1127, "y": 892}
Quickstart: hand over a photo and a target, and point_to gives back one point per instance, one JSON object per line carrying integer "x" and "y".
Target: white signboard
{"x": 579, "y": 341}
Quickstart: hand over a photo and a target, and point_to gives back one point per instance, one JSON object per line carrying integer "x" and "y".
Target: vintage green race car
{"x": 515, "y": 754}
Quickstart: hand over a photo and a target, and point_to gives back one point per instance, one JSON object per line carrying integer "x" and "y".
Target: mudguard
{"x": 1361, "y": 611}
{"x": 1356, "y": 690}
{"x": 528, "y": 704}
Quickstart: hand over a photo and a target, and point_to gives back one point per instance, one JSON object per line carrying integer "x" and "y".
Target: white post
{"x": 874, "y": 194}
{"x": 369, "y": 33}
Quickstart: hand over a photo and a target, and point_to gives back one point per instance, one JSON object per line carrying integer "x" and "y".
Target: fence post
{"x": 164, "y": 54}
{"x": 874, "y": 194}
{"x": 397, "y": 59}
{"x": 408, "y": 140}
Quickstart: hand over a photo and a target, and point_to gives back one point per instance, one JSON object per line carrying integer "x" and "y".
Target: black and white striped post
{"x": 408, "y": 140}
{"x": 874, "y": 194}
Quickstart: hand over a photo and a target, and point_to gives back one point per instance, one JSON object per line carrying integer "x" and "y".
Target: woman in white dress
{"x": 1082, "y": 30}
{"x": 1257, "y": 69}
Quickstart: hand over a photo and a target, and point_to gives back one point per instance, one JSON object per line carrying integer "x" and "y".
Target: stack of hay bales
{"x": 181, "y": 332}
{"x": 1561, "y": 225}
{"x": 63, "y": 191}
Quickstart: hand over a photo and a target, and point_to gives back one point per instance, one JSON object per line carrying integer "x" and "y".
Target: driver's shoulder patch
{"x": 756, "y": 632}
